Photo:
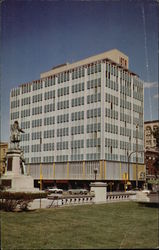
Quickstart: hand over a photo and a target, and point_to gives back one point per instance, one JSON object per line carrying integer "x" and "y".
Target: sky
{"x": 39, "y": 34}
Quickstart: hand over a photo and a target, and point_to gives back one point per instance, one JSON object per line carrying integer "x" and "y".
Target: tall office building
{"x": 83, "y": 114}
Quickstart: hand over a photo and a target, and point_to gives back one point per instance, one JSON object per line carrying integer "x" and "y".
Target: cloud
{"x": 156, "y": 96}
{"x": 148, "y": 85}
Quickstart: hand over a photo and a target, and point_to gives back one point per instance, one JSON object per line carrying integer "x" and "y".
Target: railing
{"x": 70, "y": 200}
{"x": 61, "y": 200}
{"x": 120, "y": 196}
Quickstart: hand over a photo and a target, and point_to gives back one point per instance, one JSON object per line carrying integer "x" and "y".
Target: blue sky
{"x": 37, "y": 35}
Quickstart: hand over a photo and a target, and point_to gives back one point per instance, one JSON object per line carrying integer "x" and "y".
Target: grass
{"x": 124, "y": 225}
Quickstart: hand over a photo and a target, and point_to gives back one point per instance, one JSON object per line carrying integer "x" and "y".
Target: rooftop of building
{"x": 152, "y": 121}
{"x": 114, "y": 56}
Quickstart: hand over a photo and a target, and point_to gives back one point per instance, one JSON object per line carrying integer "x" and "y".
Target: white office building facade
{"x": 82, "y": 114}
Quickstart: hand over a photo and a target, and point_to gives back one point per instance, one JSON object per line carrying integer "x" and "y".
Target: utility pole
{"x": 137, "y": 156}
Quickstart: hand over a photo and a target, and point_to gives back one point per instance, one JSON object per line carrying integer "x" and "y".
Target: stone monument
{"x": 15, "y": 178}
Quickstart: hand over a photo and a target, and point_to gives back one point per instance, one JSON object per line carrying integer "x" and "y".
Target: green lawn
{"x": 114, "y": 225}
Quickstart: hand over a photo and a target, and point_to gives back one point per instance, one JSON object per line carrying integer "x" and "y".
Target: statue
{"x": 15, "y": 135}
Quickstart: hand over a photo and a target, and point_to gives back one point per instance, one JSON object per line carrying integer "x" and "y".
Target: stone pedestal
{"x": 13, "y": 179}
{"x": 100, "y": 191}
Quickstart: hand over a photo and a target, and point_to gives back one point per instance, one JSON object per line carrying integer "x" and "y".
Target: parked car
{"x": 78, "y": 191}
{"x": 54, "y": 190}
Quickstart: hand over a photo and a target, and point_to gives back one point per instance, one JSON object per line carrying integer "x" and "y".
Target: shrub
{"x": 10, "y": 201}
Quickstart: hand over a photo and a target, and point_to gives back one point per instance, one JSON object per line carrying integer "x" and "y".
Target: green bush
{"x": 154, "y": 182}
{"x": 10, "y": 201}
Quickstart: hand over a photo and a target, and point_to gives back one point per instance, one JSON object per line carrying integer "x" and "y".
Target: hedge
{"x": 9, "y": 201}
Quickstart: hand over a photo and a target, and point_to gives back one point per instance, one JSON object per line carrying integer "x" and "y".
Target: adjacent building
{"x": 82, "y": 116}
{"x": 151, "y": 151}
{"x": 149, "y": 139}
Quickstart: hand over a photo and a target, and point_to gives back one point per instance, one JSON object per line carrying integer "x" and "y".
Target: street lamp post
{"x": 128, "y": 158}
{"x": 137, "y": 156}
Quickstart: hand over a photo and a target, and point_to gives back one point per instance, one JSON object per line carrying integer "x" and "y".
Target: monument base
{"x": 19, "y": 183}
{"x": 100, "y": 191}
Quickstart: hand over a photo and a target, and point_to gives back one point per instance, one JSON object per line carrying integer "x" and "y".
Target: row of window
{"x": 77, "y": 144}
{"x": 78, "y": 87}
{"x": 77, "y": 130}
{"x": 49, "y": 120}
{"x": 94, "y": 68}
{"x": 140, "y": 134}
{"x": 111, "y": 113}
{"x": 138, "y": 121}
{"x": 36, "y": 148}
{"x": 77, "y": 157}
{"x": 14, "y": 104}
{"x": 125, "y": 145}
{"x": 77, "y": 116}
{"x": 25, "y": 149}
{"x": 111, "y": 143}
{"x": 36, "y": 110}
{"x": 63, "y": 105}
{"x": 78, "y": 73}
{"x": 93, "y": 142}
{"x": 111, "y": 99}
{"x": 25, "y": 101}
{"x": 26, "y": 88}
{"x": 62, "y": 132}
{"x": 138, "y": 96}
{"x": 62, "y": 145}
{"x": 111, "y": 69}
{"x": 78, "y": 101}
{"x": 125, "y": 104}
{"x": 125, "y": 90}
{"x": 140, "y": 147}
{"x": 137, "y": 108}
{"x": 94, "y": 113}
{"x": 37, "y": 85}
{"x": 63, "y": 91}
{"x": 48, "y": 146}
{"x": 93, "y": 98}
{"x": 111, "y": 84}
{"x": 111, "y": 128}
{"x": 95, "y": 156}
{"x": 49, "y": 133}
{"x": 50, "y": 81}
{"x": 36, "y": 123}
{"x": 37, "y": 98}
{"x": 36, "y": 135}
{"x": 94, "y": 83}
{"x": 63, "y": 118}
{"x": 15, "y": 92}
{"x": 25, "y": 125}
{"x": 35, "y": 159}
{"x": 111, "y": 157}
{"x": 125, "y": 117}
{"x": 25, "y": 113}
{"x": 48, "y": 159}
{"x": 63, "y": 77}
{"x": 49, "y": 95}
{"x": 49, "y": 107}
{"x": 96, "y": 127}
{"x": 125, "y": 131}
{"x": 14, "y": 115}
{"x": 62, "y": 158}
